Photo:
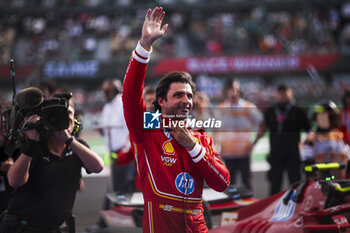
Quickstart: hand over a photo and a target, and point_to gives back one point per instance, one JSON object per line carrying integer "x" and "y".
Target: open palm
{"x": 152, "y": 29}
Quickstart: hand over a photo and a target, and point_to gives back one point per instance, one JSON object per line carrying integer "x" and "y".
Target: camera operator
{"x": 46, "y": 178}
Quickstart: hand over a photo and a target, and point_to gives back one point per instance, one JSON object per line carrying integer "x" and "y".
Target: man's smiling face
{"x": 178, "y": 101}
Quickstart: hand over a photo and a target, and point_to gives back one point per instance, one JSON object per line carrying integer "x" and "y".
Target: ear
{"x": 161, "y": 101}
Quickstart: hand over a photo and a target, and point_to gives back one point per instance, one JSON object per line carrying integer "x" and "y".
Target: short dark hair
{"x": 229, "y": 85}
{"x": 165, "y": 82}
{"x": 114, "y": 84}
{"x": 149, "y": 90}
{"x": 283, "y": 87}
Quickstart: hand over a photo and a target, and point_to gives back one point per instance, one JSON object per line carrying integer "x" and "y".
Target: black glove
{"x": 31, "y": 148}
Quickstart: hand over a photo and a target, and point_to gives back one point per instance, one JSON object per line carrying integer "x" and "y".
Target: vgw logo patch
{"x": 151, "y": 120}
{"x": 184, "y": 183}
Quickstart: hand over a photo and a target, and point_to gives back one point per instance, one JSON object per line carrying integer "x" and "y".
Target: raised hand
{"x": 32, "y": 133}
{"x": 152, "y": 27}
{"x": 62, "y": 135}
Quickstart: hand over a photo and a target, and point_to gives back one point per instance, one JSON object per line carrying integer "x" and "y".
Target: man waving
{"x": 173, "y": 162}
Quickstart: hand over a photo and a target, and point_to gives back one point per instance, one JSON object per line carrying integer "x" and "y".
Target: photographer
{"x": 46, "y": 178}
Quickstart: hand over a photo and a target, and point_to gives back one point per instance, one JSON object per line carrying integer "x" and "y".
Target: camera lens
{"x": 55, "y": 118}
{"x": 52, "y": 119}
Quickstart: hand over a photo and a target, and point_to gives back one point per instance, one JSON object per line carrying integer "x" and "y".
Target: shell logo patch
{"x": 168, "y": 148}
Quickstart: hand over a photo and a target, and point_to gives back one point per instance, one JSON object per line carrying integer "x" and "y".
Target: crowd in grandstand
{"x": 83, "y": 34}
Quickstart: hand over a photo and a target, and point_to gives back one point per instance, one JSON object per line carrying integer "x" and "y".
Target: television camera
{"x": 53, "y": 114}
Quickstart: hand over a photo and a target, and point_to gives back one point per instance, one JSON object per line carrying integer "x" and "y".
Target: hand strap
{"x": 69, "y": 141}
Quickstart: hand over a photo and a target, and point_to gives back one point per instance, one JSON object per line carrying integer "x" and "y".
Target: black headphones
{"x": 78, "y": 126}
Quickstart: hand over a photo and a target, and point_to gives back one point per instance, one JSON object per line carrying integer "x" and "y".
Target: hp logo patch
{"x": 151, "y": 120}
{"x": 184, "y": 183}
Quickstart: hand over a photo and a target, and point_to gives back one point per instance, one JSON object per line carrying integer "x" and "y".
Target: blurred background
{"x": 262, "y": 43}
{"x": 79, "y": 43}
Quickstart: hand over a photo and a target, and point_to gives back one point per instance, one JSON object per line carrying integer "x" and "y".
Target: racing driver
{"x": 172, "y": 163}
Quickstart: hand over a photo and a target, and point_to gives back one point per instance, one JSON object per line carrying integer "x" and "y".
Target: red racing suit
{"x": 172, "y": 177}
{"x": 125, "y": 156}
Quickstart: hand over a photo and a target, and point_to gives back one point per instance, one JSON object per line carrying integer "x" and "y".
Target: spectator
{"x": 240, "y": 119}
{"x": 149, "y": 95}
{"x": 201, "y": 104}
{"x": 114, "y": 131}
{"x": 116, "y": 137}
{"x": 285, "y": 121}
{"x": 325, "y": 144}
